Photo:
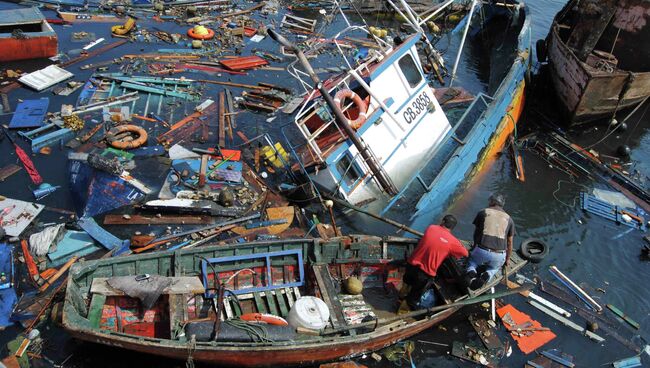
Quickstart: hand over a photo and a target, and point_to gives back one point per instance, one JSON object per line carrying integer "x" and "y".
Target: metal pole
{"x": 382, "y": 178}
{"x": 462, "y": 42}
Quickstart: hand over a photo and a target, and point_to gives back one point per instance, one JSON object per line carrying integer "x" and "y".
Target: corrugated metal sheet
{"x": 44, "y": 78}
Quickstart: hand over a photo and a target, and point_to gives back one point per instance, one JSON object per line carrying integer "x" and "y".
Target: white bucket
{"x": 309, "y": 312}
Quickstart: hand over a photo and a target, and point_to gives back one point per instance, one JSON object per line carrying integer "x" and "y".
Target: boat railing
{"x": 314, "y": 48}
{"x": 482, "y": 101}
{"x": 316, "y": 106}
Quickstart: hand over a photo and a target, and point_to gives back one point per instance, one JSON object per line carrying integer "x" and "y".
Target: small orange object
{"x": 360, "y": 105}
{"x": 196, "y": 36}
{"x": 116, "y": 138}
{"x": 530, "y": 343}
{"x": 48, "y": 273}
{"x": 29, "y": 260}
{"x": 270, "y": 319}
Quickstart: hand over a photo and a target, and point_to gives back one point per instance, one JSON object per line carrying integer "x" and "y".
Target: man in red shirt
{"x": 437, "y": 244}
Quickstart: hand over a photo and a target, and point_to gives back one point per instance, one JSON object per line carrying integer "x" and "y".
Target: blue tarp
{"x": 30, "y": 114}
{"x": 8, "y": 298}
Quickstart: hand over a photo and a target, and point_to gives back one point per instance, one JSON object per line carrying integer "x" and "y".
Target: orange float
{"x": 361, "y": 106}
{"x": 120, "y": 138}
{"x": 200, "y": 33}
{"x": 264, "y": 318}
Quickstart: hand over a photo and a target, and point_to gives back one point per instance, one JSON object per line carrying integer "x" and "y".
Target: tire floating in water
{"x": 533, "y": 250}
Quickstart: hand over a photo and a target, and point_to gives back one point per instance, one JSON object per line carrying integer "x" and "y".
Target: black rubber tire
{"x": 533, "y": 250}
{"x": 540, "y": 49}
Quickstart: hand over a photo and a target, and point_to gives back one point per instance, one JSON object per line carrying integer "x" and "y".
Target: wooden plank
{"x": 177, "y": 310}
{"x": 320, "y": 272}
{"x": 290, "y": 299}
{"x": 259, "y": 303}
{"x": 271, "y": 302}
{"x": 180, "y": 285}
{"x": 155, "y": 220}
{"x": 8, "y": 170}
{"x": 222, "y": 119}
{"x": 281, "y": 303}
{"x": 95, "y": 310}
{"x": 227, "y": 308}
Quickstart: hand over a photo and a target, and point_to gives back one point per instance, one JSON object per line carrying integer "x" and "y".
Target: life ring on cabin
{"x": 533, "y": 250}
{"x": 119, "y": 138}
{"x": 340, "y": 97}
{"x": 265, "y": 318}
{"x": 200, "y": 33}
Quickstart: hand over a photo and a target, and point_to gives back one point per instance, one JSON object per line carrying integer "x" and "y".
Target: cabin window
{"x": 410, "y": 70}
{"x": 349, "y": 170}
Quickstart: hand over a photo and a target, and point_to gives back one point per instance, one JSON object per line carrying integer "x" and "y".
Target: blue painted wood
{"x": 30, "y": 114}
{"x": 451, "y": 179}
{"x": 103, "y": 237}
{"x": 604, "y": 209}
{"x": 270, "y": 285}
{"x": 8, "y": 298}
{"x": 77, "y": 243}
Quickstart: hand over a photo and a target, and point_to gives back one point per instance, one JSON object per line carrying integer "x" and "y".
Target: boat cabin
{"x": 396, "y": 114}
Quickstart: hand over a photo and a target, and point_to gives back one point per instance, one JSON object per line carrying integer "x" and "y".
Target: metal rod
{"x": 462, "y": 42}
{"x": 380, "y": 218}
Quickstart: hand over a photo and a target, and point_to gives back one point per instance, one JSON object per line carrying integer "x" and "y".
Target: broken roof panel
{"x": 30, "y": 114}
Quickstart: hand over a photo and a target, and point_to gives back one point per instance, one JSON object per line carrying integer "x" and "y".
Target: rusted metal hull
{"x": 293, "y": 354}
{"x": 586, "y": 93}
{"x": 31, "y": 48}
{"x": 589, "y": 91}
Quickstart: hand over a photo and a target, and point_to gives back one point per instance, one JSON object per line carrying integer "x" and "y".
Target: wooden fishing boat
{"x": 25, "y": 34}
{"x": 265, "y": 277}
{"x": 596, "y": 64}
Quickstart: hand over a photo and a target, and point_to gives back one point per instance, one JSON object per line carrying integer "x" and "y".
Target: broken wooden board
{"x": 156, "y": 220}
{"x": 180, "y": 285}
{"x": 16, "y": 215}
{"x": 244, "y": 63}
{"x": 486, "y": 333}
{"x": 274, "y": 213}
{"x": 8, "y": 170}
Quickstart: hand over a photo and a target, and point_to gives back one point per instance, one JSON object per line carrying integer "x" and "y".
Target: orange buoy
{"x": 361, "y": 106}
{"x": 200, "y": 33}
{"x": 121, "y": 137}
{"x": 270, "y": 319}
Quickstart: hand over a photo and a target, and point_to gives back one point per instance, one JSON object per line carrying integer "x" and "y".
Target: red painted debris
{"x": 244, "y": 63}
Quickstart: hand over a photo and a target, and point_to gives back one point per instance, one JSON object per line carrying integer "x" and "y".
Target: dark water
{"x": 588, "y": 249}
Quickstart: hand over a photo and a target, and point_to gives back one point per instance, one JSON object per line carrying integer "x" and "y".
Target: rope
{"x": 255, "y": 330}
{"x": 559, "y": 185}
{"x": 191, "y": 348}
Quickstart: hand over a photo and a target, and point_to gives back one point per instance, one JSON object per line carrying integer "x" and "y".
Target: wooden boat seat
{"x": 180, "y": 285}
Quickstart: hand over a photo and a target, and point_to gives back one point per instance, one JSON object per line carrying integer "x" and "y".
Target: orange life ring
{"x": 361, "y": 106}
{"x": 266, "y": 318}
{"x": 190, "y": 32}
{"x": 116, "y": 138}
